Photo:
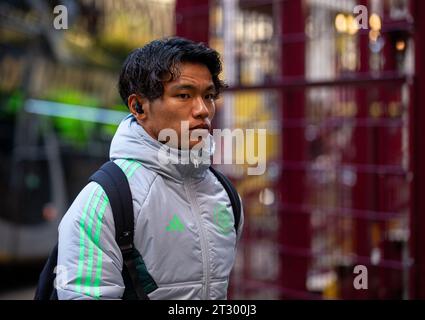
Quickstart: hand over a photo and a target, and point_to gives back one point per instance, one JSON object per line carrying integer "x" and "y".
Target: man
{"x": 168, "y": 84}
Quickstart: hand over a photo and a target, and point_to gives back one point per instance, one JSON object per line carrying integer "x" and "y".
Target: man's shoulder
{"x": 140, "y": 179}
{"x": 136, "y": 172}
{"x": 87, "y": 203}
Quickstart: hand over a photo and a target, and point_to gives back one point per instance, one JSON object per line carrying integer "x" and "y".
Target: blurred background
{"x": 341, "y": 105}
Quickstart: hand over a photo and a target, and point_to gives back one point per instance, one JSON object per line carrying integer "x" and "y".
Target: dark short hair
{"x": 145, "y": 69}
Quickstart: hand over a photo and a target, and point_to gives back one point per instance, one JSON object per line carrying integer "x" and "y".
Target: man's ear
{"x": 139, "y": 107}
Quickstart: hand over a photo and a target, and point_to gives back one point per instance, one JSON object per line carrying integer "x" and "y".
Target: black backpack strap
{"x": 45, "y": 287}
{"x": 114, "y": 182}
{"x": 232, "y": 193}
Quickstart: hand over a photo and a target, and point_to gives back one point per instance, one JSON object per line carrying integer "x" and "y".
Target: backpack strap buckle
{"x": 125, "y": 243}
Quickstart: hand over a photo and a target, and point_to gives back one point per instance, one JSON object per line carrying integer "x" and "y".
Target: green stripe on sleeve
{"x": 89, "y": 232}
{"x": 82, "y": 236}
{"x": 98, "y": 269}
{"x": 133, "y": 169}
{"x": 125, "y": 164}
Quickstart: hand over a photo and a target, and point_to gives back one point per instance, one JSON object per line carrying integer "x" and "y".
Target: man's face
{"x": 190, "y": 97}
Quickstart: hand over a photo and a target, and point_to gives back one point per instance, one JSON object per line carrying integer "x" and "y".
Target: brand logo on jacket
{"x": 222, "y": 219}
{"x": 175, "y": 224}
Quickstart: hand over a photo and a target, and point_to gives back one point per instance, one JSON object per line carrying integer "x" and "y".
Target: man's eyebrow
{"x": 190, "y": 87}
{"x": 210, "y": 87}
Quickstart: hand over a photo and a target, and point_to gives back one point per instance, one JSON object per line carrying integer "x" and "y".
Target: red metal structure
{"x": 417, "y": 279}
{"x": 350, "y": 176}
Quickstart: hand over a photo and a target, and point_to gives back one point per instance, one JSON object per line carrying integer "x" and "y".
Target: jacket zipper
{"x": 204, "y": 245}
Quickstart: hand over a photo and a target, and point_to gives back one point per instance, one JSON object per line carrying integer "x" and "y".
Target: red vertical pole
{"x": 294, "y": 232}
{"x": 363, "y": 191}
{"x": 417, "y": 221}
{"x": 389, "y": 145}
{"x": 192, "y": 19}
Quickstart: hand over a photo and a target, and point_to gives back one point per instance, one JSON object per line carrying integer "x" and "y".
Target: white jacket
{"x": 187, "y": 246}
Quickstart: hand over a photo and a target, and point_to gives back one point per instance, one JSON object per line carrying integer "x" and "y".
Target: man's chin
{"x": 187, "y": 146}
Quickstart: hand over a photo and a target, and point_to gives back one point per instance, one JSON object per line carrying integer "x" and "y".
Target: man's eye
{"x": 210, "y": 96}
{"x": 183, "y": 96}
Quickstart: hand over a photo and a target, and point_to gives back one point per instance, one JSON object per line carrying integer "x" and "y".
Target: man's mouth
{"x": 201, "y": 126}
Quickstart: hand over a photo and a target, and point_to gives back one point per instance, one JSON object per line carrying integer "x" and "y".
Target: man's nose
{"x": 201, "y": 110}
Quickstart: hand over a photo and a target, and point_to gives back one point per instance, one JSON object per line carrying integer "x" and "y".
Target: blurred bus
{"x": 50, "y": 149}
{"x": 59, "y": 106}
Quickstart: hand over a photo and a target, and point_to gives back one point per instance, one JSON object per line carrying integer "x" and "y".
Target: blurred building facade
{"x": 341, "y": 105}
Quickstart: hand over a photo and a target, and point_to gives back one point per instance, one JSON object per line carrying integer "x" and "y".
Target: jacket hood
{"x": 131, "y": 141}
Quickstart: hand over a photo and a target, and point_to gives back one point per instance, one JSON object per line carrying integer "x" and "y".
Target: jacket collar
{"x": 131, "y": 141}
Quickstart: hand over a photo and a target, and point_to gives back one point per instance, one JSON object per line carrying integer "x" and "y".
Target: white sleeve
{"x": 89, "y": 259}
